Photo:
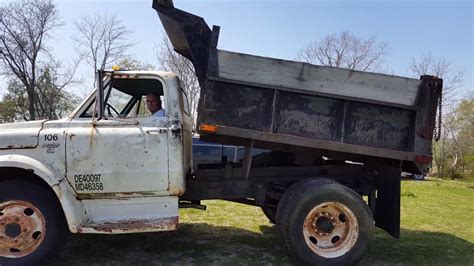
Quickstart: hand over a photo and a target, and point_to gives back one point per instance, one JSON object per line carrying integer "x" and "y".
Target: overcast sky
{"x": 281, "y": 28}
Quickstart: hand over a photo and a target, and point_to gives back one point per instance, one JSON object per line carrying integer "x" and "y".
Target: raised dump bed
{"x": 287, "y": 105}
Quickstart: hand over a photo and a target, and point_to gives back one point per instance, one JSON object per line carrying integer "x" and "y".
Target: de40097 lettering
{"x": 89, "y": 182}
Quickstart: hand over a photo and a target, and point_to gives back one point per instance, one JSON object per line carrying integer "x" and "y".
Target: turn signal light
{"x": 208, "y": 128}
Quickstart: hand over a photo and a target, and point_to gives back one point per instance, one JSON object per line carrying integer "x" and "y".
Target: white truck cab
{"x": 110, "y": 165}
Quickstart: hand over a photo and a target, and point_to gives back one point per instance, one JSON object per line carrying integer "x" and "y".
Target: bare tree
{"x": 465, "y": 134}
{"x": 102, "y": 40}
{"x": 440, "y": 67}
{"x": 53, "y": 101}
{"x": 24, "y": 26}
{"x": 445, "y": 149}
{"x": 14, "y": 104}
{"x": 172, "y": 61}
{"x": 454, "y": 153}
{"x": 346, "y": 50}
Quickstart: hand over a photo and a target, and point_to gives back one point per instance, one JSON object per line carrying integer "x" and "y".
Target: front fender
{"x": 31, "y": 165}
{"x": 73, "y": 209}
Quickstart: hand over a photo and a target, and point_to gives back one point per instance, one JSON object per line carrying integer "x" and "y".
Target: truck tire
{"x": 273, "y": 194}
{"x": 324, "y": 222}
{"x": 32, "y": 224}
{"x": 270, "y": 213}
{"x": 291, "y": 193}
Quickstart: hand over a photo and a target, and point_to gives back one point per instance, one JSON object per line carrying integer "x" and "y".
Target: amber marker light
{"x": 208, "y": 128}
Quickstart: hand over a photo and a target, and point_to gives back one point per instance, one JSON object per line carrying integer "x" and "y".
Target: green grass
{"x": 437, "y": 219}
{"x": 437, "y": 229}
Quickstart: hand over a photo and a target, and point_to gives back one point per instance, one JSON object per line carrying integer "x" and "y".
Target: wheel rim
{"x": 330, "y": 229}
{"x": 22, "y": 228}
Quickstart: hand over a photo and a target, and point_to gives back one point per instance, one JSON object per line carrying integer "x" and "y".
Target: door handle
{"x": 157, "y": 131}
{"x": 175, "y": 127}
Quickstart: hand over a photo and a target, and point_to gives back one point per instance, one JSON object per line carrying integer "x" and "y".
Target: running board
{"x": 130, "y": 226}
{"x": 130, "y": 215}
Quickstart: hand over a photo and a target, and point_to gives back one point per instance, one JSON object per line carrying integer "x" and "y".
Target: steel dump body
{"x": 287, "y": 105}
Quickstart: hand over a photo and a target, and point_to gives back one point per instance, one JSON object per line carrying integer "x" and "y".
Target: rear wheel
{"x": 273, "y": 194}
{"x": 324, "y": 222}
{"x": 31, "y": 224}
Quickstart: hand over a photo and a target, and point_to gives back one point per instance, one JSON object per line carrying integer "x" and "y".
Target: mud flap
{"x": 387, "y": 206}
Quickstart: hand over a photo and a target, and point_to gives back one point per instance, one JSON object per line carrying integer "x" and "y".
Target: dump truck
{"x": 334, "y": 142}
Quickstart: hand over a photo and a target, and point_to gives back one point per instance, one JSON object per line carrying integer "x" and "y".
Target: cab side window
{"x": 122, "y": 105}
{"x": 126, "y": 98}
{"x": 89, "y": 112}
{"x": 140, "y": 109}
{"x": 117, "y": 103}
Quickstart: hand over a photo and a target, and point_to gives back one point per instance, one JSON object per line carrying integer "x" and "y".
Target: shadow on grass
{"x": 419, "y": 247}
{"x": 209, "y": 244}
{"x": 192, "y": 244}
{"x": 409, "y": 179}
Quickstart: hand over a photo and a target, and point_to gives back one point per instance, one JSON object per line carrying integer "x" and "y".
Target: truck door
{"x": 118, "y": 154}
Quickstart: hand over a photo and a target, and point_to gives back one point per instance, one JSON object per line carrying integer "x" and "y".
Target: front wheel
{"x": 31, "y": 224}
{"x": 324, "y": 222}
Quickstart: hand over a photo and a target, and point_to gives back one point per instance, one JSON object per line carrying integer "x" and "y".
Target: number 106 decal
{"x": 51, "y": 137}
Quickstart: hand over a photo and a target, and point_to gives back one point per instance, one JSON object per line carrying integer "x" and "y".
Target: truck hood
{"x": 20, "y": 135}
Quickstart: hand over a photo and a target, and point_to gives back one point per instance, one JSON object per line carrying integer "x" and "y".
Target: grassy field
{"x": 437, "y": 229}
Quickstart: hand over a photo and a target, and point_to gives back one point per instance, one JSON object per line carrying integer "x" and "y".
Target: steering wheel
{"x": 109, "y": 108}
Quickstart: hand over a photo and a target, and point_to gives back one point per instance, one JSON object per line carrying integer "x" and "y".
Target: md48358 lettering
{"x": 89, "y": 182}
